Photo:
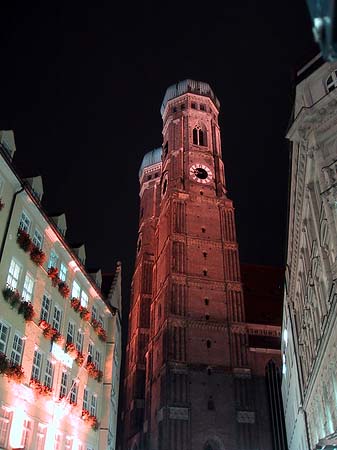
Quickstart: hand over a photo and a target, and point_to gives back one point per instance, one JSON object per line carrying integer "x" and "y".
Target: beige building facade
{"x": 60, "y": 337}
{"x": 309, "y": 345}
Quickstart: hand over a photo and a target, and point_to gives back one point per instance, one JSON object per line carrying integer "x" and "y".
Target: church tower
{"x": 188, "y": 383}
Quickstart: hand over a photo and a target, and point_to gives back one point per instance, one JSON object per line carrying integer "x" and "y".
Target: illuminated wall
{"x": 309, "y": 384}
{"x": 59, "y": 335}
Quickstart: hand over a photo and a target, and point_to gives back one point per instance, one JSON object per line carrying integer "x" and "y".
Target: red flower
{"x": 75, "y": 303}
{"x": 37, "y": 255}
{"x": 43, "y": 324}
{"x": 64, "y": 289}
{"x": 24, "y": 240}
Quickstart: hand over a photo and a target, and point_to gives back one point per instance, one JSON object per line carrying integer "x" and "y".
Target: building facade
{"x": 60, "y": 337}
{"x": 192, "y": 380}
{"x": 309, "y": 345}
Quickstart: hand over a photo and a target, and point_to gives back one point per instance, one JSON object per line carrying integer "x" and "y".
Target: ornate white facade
{"x": 60, "y": 337}
{"x": 309, "y": 344}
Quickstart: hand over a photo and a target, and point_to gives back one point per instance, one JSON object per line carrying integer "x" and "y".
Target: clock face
{"x": 200, "y": 173}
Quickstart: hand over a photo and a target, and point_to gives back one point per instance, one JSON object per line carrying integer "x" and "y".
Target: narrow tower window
{"x": 199, "y": 136}
{"x": 206, "y": 301}
{"x": 207, "y": 316}
{"x": 204, "y": 272}
{"x": 208, "y": 343}
{"x": 210, "y": 404}
{"x": 195, "y": 136}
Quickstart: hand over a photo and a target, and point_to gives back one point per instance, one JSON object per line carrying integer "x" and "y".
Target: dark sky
{"x": 82, "y": 88}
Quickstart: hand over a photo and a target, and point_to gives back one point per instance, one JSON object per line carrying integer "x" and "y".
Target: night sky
{"x": 82, "y": 86}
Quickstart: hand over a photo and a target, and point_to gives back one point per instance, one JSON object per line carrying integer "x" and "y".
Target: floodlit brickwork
{"x": 192, "y": 380}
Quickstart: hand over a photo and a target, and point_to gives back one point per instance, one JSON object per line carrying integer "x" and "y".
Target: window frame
{"x": 71, "y": 325}
{"x": 18, "y": 353}
{"x": 2, "y": 342}
{"x": 27, "y": 294}
{"x": 49, "y": 374}
{"x": 37, "y": 369}
{"x": 333, "y": 84}
{"x": 38, "y": 238}
{"x": 64, "y": 384}
{"x": 57, "y": 322}
{"x": 84, "y": 299}
{"x": 25, "y": 221}
{"x": 53, "y": 258}
{"x": 45, "y": 312}
{"x": 63, "y": 272}
{"x": 93, "y": 405}
{"x": 75, "y": 290}
{"x": 13, "y": 274}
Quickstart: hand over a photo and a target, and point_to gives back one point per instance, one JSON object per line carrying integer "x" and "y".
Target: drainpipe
{"x": 9, "y": 218}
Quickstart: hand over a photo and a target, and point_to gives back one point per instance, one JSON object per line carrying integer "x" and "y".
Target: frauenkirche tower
{"x": 189, "y": 384}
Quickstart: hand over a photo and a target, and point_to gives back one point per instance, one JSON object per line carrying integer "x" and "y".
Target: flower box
{"x": 27, "y": 310}
{"x": 93, "y": 372}
{"x": 13, "y": 372}
{"x": 99, "y": 330}
{"x": 71, "y": 349}
{"x": 40, "y": 388}
{"x": 64, "y": 289}
{"x": 24, "y": 240}
{"x": 84, "y": 313}
{"x": 79, "y": 360}
{"x": 75, "y": 304}
{"x": 12, "y": 296}
{"x": 37, "y": 255}
{"x": 91, "y": 420}
{"x": 50, "y": 332}
{"x": 53, "y": 274}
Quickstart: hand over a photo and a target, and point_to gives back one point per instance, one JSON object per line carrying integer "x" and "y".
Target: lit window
{"x": 4, "y": 333}
{"x": 85, "y": 399}
{"x": 17, "y": 349}
{"x": 37, "y": 238}
{"x": 5, "y": 425}
{"x": 13, "y": 274}
{"x": 284, "y": 365}
{"x": 57, "y": 318}
{"x": 331, "y": 82}
{"x": 63, "y": 272}
{"x": 94, "y": 312}
{"x": 41, "y": 436}
{"x": 70, "y": 332}
{"x": 28, "y": 287}
{"x": 45, "y": 308}
{"x": 48, "y": 377}
{"x": 26, "y": 433}
{"x": 52, "y": 259}
{"x": 37, "y": 364}
{"x": 84, "y": 299}
{"x": 93, "y": 405}
{"x": 24, "y": 222}
{"x": 73, "y": 392}
{"x": 64, "y": 385}
{"x": 76, "y": 290}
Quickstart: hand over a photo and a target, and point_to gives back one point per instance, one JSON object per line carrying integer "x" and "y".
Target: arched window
{"x": 208, "y": 343}
{"x": 199, "y": 136}
{"x": 331, "y": 82}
